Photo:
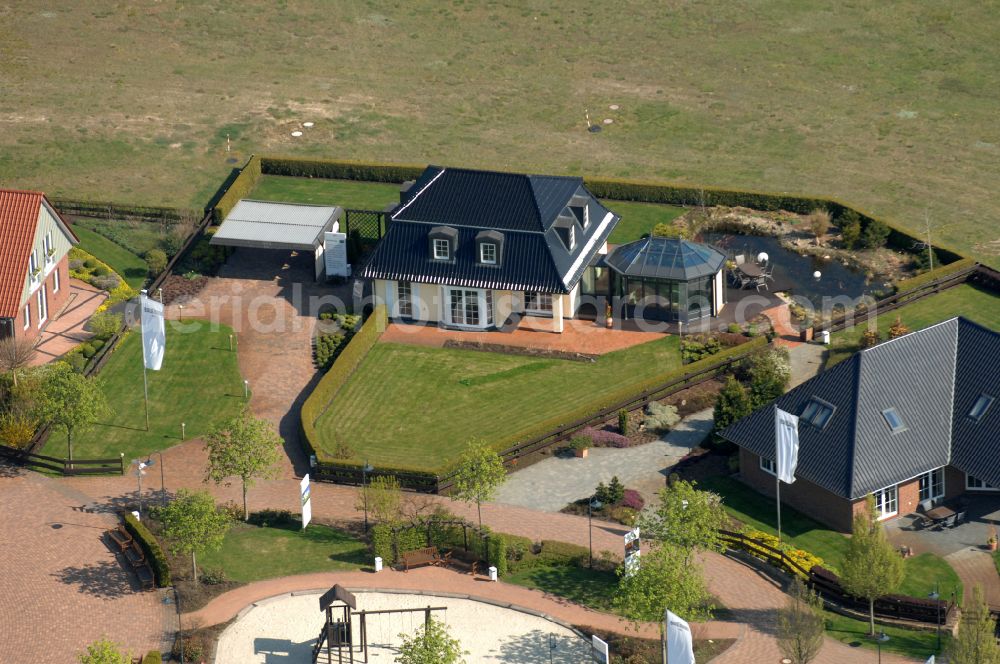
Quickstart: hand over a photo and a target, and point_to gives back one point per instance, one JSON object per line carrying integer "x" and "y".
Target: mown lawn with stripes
{"x": 417, "y": 407}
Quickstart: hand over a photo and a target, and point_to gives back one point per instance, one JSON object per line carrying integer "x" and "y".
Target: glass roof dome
{"x": 666, "y": 258}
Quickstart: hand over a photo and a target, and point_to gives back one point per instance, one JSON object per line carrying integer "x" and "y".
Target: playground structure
{"x": 337, "y": 635}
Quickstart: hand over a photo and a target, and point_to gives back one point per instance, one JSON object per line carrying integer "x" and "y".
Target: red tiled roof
{"x": 18, "y": 221}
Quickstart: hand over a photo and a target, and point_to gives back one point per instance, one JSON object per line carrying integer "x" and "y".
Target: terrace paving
{"x": 66, "y": 330}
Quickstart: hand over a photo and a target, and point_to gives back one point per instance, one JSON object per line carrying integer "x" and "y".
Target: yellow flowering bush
{"x": 801, "y": 558}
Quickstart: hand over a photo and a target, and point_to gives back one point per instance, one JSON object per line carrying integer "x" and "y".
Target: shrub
{"x": 875, "y": 235}
{"x": 850, "y": 228}
{"x": 156, "y": 260}
{"x": 602, "y": 438}
{"x": 193, "y": 648}
{"x": 382, "y": 542}
{"x": 622, "y": 422}
{"x": 212, "y": 576}
{"x": 562, "y": 553}
{"x": 659, "y": 417}
{"x": 668, "y": 229}
{"x": 340, "y": 169}
{"x": 272, "y": 518}
{"x": 623, "y": 515}
{"x": 898, "y": 329}
{"x": 151, "y": 548}
{"x": 327, "y": 348}
{"x": 17, "y": 429}
{"x": 87, "y": 350}
{"x": 153, "y": 657}
{"x": 633, "y": 500}
{"x": 75, "y": 265}
{"x": 75, "y": 360}
{"x": 819, "y": 223}
{"x": 105, "y": 324}
{"x": 694, "y": 348}
{"x": 734, "y": 328}
{"x": 935, "y": 274}
{"x": 580, "y": 442}
{"x": 869, "y": 338}
{"x": 100, "y": 271}
{"x": 803, "y": 559}
{"x": 241, "y": 187}
{"x": 107, "y": 282}
{"x": 519, "y": 550}
{"x": 616, "y": 490}
{"x": 90, "y": 263}
{"x": 171, "y": 243}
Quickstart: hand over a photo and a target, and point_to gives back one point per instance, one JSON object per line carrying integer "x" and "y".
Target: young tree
{"x": 976, "y": 642}
{"x": 872, "y": 567}
{"x": 193, "y": 524}
{"x": 819, "y": 223}
{"x": 801, "y": 624}
{"x": 850, "y": 228}
{"x": 875, "y": 235}
{"x": 685, "y": 518}
{"x": 104, "y": 651}
{"x": 385, "y": 500}
{"x": 245, "y": 447}
{"x": 732, "y": 404}
{"x": 16, "y": 353}
{"x": 768, "y": 373}
{"x": 665, "y": 579}
{"x": 70, "y": 401}
{"x": 430, "y": 645}
{"x": 479, "y": 475}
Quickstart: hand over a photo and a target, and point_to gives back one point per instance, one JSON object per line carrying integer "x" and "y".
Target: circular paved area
{"x": 285, "y": 629}
{"x": 60, "y": 586}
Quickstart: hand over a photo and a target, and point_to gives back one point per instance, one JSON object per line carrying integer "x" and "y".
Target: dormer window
{"x": 582, "y": 214}
{"x": 443, "y": 243}
{"x": 489, "y": 247}
{"x": 979, "y": 408}
{"x": 442, "y": 250}
{"x": 488, "y": 253}
{"x": 817, "y": 413}
{"x": 565, "y": 227}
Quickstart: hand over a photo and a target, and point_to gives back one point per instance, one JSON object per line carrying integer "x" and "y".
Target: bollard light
{"x": 246, "y": 389}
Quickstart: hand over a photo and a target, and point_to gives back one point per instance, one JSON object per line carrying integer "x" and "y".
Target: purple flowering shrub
{"x": 633, "y": 499}
{"x": 602, "y": 438}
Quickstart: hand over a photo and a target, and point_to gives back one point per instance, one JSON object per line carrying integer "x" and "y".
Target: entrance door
{"x": 886, "y": 504}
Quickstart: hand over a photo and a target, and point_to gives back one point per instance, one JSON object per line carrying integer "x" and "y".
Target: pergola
{"x": 289, "y": 226}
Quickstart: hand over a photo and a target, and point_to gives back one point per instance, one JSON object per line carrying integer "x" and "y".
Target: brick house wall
{"x": 56, "y": 301}
{"x": 804, "y": 496}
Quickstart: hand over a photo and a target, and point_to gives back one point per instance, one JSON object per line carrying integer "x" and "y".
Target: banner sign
{"x": 599, "y": 650}
{"x": 786, "y": 435}
{"x": 680, "y": 649}
{"x": 154, "y": 334}
{"x": 305, "y": 492}
{"x": 632, "y": 551}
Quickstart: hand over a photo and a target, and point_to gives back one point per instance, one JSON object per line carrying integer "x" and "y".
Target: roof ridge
{"x": 32, "y": 192}
{"x": 422, "y": 190}
{"x": 853, "y": 446}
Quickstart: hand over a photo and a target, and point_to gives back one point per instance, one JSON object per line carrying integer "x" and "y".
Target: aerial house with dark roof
{"x": 469, "y": 249}
{"x": 910, "y": 420}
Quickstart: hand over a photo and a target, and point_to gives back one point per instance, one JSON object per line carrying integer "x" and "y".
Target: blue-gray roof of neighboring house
{"x": 930, "y": 377}
{"x": 526, "y": 209}
{"x": 666, "y": 258}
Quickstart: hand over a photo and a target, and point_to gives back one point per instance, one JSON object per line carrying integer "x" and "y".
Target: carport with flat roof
{"x": 269, "y": 225}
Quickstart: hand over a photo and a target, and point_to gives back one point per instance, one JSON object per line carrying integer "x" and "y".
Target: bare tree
{"x": 801, "y": 624}
{"x": 16, "y": 353}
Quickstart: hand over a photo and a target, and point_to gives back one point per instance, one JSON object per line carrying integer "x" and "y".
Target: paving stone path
{"x": 557, "y": 481}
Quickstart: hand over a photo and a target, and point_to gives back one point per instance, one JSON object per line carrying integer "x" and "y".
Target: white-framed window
{"x": 582, "y": 214}
{"x": 932, "y": 485}
{"x": 538, "y": 302}
{"x": 572, "y": 237}
{"x": 469, "y": 307}
{"x": 886, "y": 502}
{"x": 33, "y": 265}
{"x": 27, "y": 315}
{"x": 489, "y": 307}
{"x": 768, "y": 466}
{"x": 55, "y": 281}
{"x": 43, "y": 306}
{"x": 442, "y": 249}
{"x": 817, "y": 413}
{"x": 47, "y": 247}
{"x": 976, "y": 484}
{"x": 404, "y": 298}
{"x": 893, "y": 419}
{"x": 488, "y": 253}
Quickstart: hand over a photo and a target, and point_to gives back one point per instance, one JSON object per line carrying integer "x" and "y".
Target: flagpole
{"x": 666, "y": 628}
{"x": 777, "y": 482}
{"x": 145, "y": 380}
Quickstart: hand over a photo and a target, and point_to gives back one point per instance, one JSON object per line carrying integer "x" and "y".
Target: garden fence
{"x": 827, "y": 584}
{"x": 369, "y": 225}
{"x": 64, "y": 466}
{"x": 108, "y": 210}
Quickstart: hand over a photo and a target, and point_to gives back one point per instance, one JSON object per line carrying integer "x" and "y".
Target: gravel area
{"x": 285, "y": 628}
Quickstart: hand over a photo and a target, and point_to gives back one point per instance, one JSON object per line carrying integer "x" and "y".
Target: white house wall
{"x": 719, "y": 293}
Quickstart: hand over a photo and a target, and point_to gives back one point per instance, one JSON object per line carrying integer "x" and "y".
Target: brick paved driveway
{"x": 60, "y": 586}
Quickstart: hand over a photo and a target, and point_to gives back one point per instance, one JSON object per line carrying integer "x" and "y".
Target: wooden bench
{"x": 470, "y": 566}
{"x": 134, "y": 554}
{"x": 120, "y": 538}
{"x": 145, "y": 574}
{"x": 426, "y": 556}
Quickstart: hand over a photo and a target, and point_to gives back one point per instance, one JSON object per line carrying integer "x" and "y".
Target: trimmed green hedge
{"x": 338, "y": 169}
{"x": 933, "y": 275}
{"x": 151, "y": 548}
{"x": 240, "y": 188}
{"x": 348, "y": 360}
{"x": 153, "y": 657}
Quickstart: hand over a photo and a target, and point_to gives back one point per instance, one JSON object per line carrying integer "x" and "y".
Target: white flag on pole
{"x": 154, "y": 334}
{"x": 786, "y": 436}
{"x": 680, "y": 649}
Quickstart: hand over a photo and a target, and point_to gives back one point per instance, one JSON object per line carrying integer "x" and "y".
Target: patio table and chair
{"x": 940, "y": 517}
{"x": 748, "y": 274}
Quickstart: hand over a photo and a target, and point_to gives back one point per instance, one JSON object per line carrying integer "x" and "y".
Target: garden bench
{"x": 426, "y": 556}
{"x": 133, "y": 553}
{"x": 470, "y": 566}
{"x": 120, "y": 537}
{"x": 145, "y": 574}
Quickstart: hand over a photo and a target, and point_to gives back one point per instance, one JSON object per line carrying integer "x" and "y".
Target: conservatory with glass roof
{"x": 660, "y": 278}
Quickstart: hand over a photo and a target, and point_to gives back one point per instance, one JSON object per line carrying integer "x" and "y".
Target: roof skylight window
{"x": 817, "y": 413}
{"x": 979, "y": 408}
{"x": 893, "y": 419}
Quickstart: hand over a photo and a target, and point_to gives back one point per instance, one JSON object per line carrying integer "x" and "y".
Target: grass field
{"x": 251, "y": 553}
{"x": 199, "y": 384}
{"x": 889, "y": 106}
{"x": 918, "y": 644}
{"x": 638, "y": 219}
{"x": 587, "y": 587}
{"x": 966, "y": 300}
{"x": 417, "y": 407}
{"x": 132, "y": 268}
